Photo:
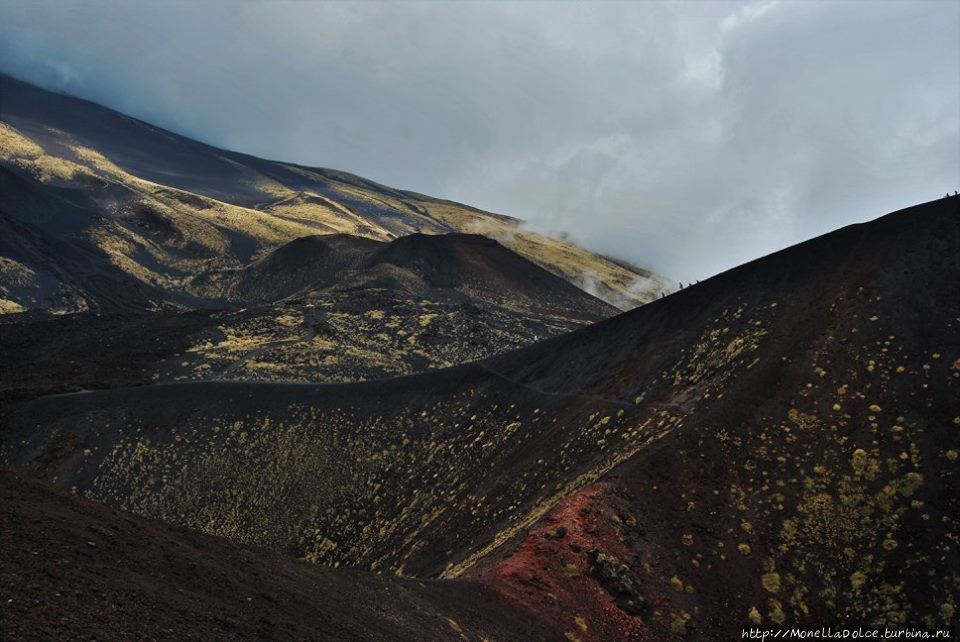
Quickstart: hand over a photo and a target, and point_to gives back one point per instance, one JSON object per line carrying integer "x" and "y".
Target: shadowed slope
{"x": 73, "y": 568}
{"x": 309, "y": 262}
{"x": 460, "y": 267}
{"x": 484, "y": 269}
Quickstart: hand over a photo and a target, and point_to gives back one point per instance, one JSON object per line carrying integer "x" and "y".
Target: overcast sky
{"x": 685, "y": 136}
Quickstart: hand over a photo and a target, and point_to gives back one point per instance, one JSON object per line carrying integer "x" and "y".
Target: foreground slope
{"x": 74, "y": 569}
{"x": 813, "y": 482}
{"x": 778, "y": 444}
{"x": 99, "y": 211}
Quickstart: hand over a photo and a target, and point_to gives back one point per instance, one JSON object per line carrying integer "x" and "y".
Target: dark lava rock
{"x": 619, "y": 581}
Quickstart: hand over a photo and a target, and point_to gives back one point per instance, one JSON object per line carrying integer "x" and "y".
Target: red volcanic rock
{"x": 567, "y": 581}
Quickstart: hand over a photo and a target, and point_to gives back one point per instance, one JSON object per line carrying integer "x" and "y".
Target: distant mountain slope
{"x": 345, "y": 314}
{"x": 320, "y": 308}
{"x": 144, "y": 210}
{"x": 294, "y": 274}
{"x": 451, "y": 267}
{"x": 775, "y": 445}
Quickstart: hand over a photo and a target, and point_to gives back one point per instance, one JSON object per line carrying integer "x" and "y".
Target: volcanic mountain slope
{"x": 327, "y": 308}
{"x": 455, "y": 268}
{"x": 778, "y": 444}
{"x": 102, "y": 211}
{"x": 73, "y": 569}
{"x": 106, "y": 215}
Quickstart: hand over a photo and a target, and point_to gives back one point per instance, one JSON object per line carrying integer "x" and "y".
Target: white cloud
{"x": 746, "y": 14}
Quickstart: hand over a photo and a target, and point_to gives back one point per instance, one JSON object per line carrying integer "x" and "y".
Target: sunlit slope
{"x": 155, "y": 207}
{"x": 777, "y": 444}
